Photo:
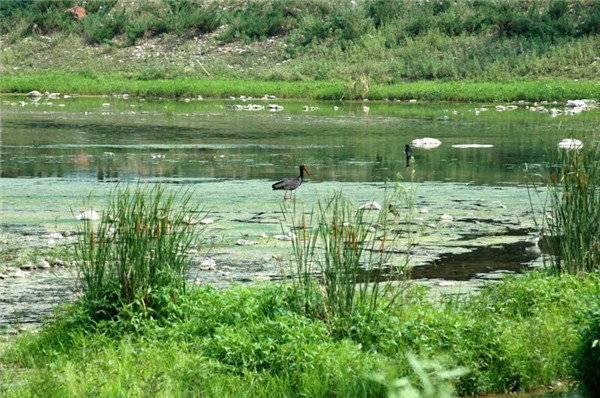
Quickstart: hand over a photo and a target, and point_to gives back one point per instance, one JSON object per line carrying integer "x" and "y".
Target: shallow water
{"x": 57, "y": 160}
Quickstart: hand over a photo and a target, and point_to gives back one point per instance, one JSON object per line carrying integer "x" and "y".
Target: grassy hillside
{"x": 358, "y": 43}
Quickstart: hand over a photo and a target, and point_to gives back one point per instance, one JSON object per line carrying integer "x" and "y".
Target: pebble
{"x": 58, "y": 262}
{"x": 43, "y": 264}
{"x": 207, "y": 221}
{"x": 245, "y": 242}
{"x": 570, "y": 143}
{"x": 283, "y": 237}
{"x": 88, "y": 215}
{"x": 446, "y": 218}
{"x": 208, "y": 264}
{"x": 34, "y": 93}
{"x": 20, "y": 273}
{"x": 370, "y": 206}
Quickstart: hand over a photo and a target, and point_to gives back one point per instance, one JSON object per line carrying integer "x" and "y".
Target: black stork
{"x": 289, "y": 184}
{"x": 408, "y": 151}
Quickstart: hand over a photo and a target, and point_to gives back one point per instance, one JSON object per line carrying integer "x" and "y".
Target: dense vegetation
{"x": 137, "y": 330}
{"x": 523, "y": 333}
{"x": 362, "y": 42}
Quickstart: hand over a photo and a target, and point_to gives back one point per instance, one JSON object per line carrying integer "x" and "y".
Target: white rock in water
{"x": 244, "y": 242}
{"x": 34, "y": 93}
{"x": 423, "y": 210}
{"x": 283, "y": 237}
{"x": 20, "y": 273}
{"x": 570, "y": 143}
{"x": 55, "y": 235}
{"x": 106, "y": 105}
{"x": 208, "y": 264}
{"x": 189, "y": 220}
{"x": 472, "y": 146}
{"x": 576, "y": 104}
{"x": 370, "y": 206}
{"x": 207, "y": 221}
{"x": 426, "y": 143}
{"x": 54, "y": 95}
{"x": 412, "y": 101}
{"x": 446, "y": 218}
{"x": 500, "y": 108}
{"x": 275, "y": 108}
{"x": 366, "y": 109}
{"x": 88, "y": 215}
{"x": 43, "y": 264}
{"x": 335, "y": 107}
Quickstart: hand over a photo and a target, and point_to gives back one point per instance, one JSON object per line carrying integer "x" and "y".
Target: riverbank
{"x": 467, "y": 91}
{"x": 518, "y": 335}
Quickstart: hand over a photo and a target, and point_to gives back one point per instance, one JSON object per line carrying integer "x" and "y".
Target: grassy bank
{"x": 190, "y": 87}
{"x": 373, "y": 42}
{"x": 520, "y": 334}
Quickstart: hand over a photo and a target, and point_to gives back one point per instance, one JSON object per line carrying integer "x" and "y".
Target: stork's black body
{"x": 408, "y": 151}
{"x": 290, "y": 184}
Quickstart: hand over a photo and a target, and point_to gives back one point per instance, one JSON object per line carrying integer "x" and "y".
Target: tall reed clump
{"x": 574, "y": 219}
{"x": 135, "y": 259}
{"x": 343, "y": 262}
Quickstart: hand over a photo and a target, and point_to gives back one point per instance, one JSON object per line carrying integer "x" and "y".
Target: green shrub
{"x": 574, "y": 223}
{"x": 588, "y": 355}
{"x": 135, "y": 261}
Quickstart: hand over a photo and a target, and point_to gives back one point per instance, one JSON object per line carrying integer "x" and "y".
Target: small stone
{"x": 208, "y": 264}
{"x": 245, "y": 242}
{"x": 207, "y": 221}
{"x": 370, "y": 206}
{"x": 446, "y": 218}
{"x": 77, "y": 13}
{"x": 20, "y": 273}
{"x": 55, "y": 235}
{"x": 190, "y": 220}
{"x": 88, "y": 215}
{"x": 423, "y": 210}
{"x": 57, "y": 262}
{"x": 283, "y": 237}
{"x": 34, "y": 94}
{"x": 43, "y": 264}
{"x": 570, "y": 143}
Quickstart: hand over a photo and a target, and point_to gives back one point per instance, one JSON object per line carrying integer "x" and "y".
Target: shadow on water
{"x": 464, "y": 266}
{"x": 511, "y": 257}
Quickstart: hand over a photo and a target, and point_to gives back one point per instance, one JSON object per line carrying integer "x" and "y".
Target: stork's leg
{"x": 285, "y": 195}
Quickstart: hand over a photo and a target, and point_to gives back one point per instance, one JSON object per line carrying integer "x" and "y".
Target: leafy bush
{"x": 346, "y": 249}
{"x": 574, "y": 223}
{"x": 135, "y": 260}
{"x": 588, "y": 355}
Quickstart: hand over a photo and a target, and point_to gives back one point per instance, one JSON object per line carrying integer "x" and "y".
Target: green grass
{"x": 574, "y": 223}
{"x": 182, "y": 87}
{"x": 373, "y": 42}
{"x": 520, "y": 334}
{"x": 135, "y": 260}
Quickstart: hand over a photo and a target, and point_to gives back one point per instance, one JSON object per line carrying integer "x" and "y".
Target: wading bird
{"x": 408, "y": 152}
{"x": 289, "y": 184}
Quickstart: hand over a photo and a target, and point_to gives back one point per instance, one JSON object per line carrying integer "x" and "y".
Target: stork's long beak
{"x": 306, "y": 170}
